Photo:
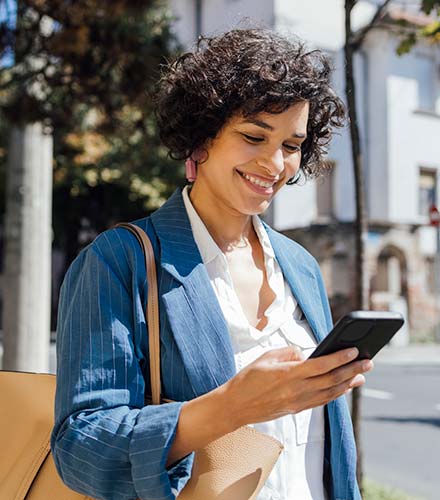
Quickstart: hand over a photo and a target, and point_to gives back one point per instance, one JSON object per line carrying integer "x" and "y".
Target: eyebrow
{"x": 266, "y": 126}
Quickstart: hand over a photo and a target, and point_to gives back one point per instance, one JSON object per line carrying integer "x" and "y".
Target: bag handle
{"x": 152, "y": 310}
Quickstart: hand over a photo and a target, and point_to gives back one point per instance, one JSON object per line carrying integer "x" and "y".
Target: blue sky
{"x": 8, "y": 13}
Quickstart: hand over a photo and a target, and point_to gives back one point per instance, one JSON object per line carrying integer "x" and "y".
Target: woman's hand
{"x": 281, "y": 381}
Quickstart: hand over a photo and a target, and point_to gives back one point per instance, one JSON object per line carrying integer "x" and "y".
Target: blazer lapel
{"x": 197, "y": 322}
{"x": 301, "y": 280}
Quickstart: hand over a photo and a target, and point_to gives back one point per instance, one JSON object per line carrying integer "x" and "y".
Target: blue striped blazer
{"x": 105, "y": 442}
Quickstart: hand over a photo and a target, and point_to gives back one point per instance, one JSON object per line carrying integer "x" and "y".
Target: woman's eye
{"x": 292, "y": 148}
{"x": 253, "y": 139}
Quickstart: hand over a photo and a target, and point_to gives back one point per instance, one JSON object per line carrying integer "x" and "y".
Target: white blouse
{"x": 298, "y": 473}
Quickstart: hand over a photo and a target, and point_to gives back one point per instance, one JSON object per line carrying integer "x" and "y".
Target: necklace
{"x": 229, "y": 246}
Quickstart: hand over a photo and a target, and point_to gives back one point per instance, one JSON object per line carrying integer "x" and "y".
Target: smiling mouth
{"x": 256, "y": 181}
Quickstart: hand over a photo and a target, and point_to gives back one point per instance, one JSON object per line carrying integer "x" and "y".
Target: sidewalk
{"x": 414, "y": 354}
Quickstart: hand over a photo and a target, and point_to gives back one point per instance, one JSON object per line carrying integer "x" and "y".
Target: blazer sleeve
{"x": 105, "y": 442}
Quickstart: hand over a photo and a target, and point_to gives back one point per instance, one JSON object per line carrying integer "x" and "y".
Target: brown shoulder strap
{"x": 152, "y": 312}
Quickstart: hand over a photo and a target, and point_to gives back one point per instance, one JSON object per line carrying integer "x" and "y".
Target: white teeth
{"x": 258, "y": 182}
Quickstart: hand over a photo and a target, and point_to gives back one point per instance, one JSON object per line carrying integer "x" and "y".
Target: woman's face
{"x": 252, "y": 158}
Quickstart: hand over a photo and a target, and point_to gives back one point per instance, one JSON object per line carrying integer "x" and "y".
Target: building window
{"x": 427, "y": 190}
{"x": 324, "y": 192}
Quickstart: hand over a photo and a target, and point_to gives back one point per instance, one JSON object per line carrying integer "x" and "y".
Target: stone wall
{"x": 400, "y": 275}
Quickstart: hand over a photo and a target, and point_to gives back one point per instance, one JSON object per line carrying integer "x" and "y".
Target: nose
{"x": 272, "y": 161}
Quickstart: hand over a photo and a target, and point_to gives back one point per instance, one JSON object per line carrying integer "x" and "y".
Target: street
{"x": 401, "y": 428}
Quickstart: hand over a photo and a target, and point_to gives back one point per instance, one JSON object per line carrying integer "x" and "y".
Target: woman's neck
{"x": 228, "y": 229}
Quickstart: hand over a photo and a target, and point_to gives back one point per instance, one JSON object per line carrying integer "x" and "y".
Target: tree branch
{"x": 349, "y": 5}
{"x": 359, "y": 37}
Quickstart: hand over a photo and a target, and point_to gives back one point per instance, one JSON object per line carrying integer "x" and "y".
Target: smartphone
{"x": 369, "y": 331}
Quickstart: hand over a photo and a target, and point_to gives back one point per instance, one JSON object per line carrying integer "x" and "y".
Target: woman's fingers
{"x": 331, "y": 393}
{"x": 328, "y": 386}
{"x": 343, "y": 374}
{"x": 357, "y": 381}
{"x": 327, "y": 363}
{"x": 281, "y": 381}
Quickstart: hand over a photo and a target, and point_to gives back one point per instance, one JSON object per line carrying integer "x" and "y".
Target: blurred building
{"x": 399, "y": 112}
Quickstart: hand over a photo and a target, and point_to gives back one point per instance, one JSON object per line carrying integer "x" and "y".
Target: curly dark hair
{"x": 246, "y": 71}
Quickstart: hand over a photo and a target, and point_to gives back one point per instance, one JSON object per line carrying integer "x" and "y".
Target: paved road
{"x": 401, "y": 428}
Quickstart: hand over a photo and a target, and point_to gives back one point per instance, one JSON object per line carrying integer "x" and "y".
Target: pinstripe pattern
{"x": 105, "y": 442}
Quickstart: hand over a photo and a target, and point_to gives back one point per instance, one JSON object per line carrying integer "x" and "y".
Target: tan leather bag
{"x": 27, "y": 469}
{"x": 233, "y": 467}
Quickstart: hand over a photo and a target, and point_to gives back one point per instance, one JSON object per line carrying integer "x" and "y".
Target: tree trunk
{"x": 361, "y": 225}
{"x": 28, "y": 240}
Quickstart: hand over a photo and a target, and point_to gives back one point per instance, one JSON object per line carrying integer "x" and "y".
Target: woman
{"x": 241, "y": 305}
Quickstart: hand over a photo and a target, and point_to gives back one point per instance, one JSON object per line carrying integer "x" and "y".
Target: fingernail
{"x": 367, "y": 365}
{"x": 352, "y": 353}
{"x": 358, "y": 379}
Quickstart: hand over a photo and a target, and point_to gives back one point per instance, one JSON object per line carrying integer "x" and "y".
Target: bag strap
{"x": 152, "y": 310}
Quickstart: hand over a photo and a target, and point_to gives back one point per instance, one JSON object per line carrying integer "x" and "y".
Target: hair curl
{"x": 246, "y": 71}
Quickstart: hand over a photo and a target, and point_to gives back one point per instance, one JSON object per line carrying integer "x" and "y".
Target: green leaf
{"x": 406, "y": 44}
{"x": 429, "y": 5}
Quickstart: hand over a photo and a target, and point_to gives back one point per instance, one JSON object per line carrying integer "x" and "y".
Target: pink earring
{"x": 191, "y": 169}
